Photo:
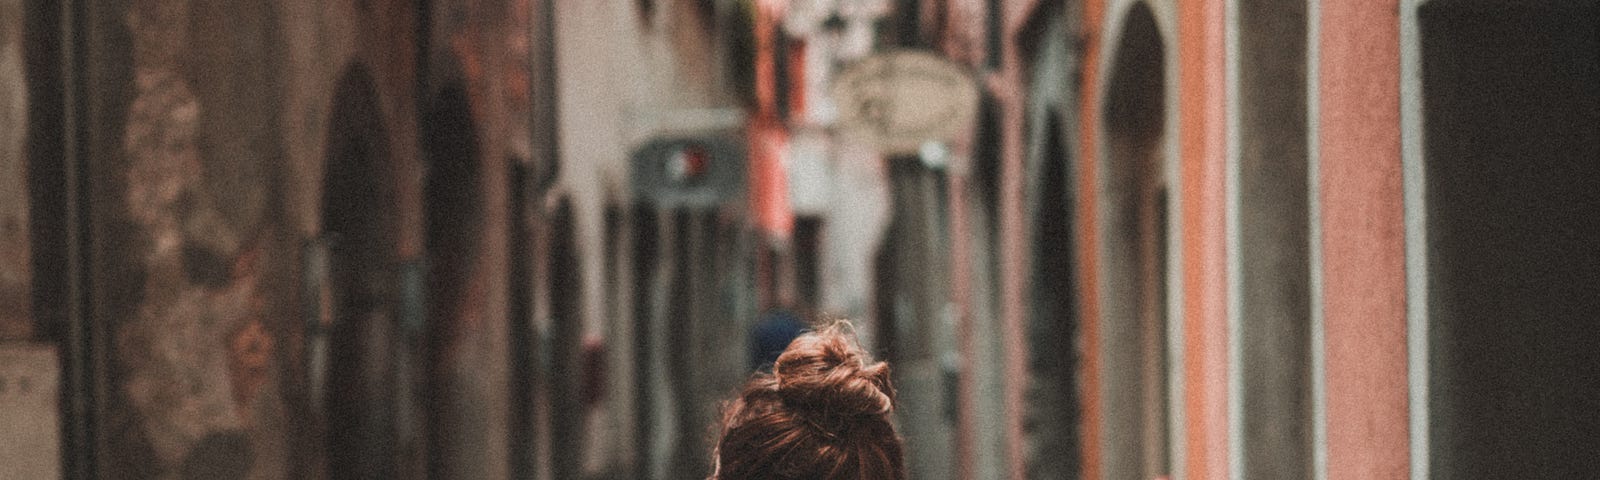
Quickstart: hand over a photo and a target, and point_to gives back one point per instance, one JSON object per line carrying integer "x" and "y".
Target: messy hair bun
{"x": 826, "y": 374}
{"x": 823, "y": 413}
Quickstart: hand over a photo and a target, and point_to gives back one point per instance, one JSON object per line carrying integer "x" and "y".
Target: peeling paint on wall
{"x": 192, "y": 345}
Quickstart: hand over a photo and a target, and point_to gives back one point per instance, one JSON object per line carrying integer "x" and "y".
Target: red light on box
{"x": 688, "y": 163}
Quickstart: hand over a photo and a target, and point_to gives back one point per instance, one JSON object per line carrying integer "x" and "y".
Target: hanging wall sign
{"x": 902, "y": 99}
{"x": 695, "y": 171}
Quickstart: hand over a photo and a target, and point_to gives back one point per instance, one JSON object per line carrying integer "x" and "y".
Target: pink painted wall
{"x": 1363, "y": 240}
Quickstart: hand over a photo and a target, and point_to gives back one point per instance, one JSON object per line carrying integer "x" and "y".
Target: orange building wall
{"x": 1088, "y": 240}
{"x": 1202, "y": 138}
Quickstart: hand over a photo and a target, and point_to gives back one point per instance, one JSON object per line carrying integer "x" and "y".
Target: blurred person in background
{"x": 771, "y": 334}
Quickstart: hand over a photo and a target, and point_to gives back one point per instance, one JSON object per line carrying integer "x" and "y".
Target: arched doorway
{"x": 1134, "y": 260}
{"x": 359, "y": 228}
{"x": 452, "y": 196}
{"x": 1053, "y": 326}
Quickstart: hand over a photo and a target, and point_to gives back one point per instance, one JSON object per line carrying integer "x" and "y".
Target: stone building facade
{"x": 198, "y": 156}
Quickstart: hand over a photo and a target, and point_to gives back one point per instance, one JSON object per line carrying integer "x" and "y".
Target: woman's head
{"x": 823, "y": 413}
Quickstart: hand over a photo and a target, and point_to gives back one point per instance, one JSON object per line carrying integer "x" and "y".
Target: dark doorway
{"x": 566, "y": 329}
{"x": 646, "y": 258}
{"x": 454, "y": 216}
{"x": 1052, "y": 330}
{"x": 808, "y": 245}
{"x": 524, "y": 351}
{"x": 1511, "y": 106}
{"x": 1134, "y": 341}
{"x": 360, "y": 225}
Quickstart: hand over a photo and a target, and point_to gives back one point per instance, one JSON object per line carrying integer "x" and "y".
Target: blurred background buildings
{"x": 1204, "y": 239}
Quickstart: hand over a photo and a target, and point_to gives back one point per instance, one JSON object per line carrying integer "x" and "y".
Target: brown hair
{"x": 822, "y": 414}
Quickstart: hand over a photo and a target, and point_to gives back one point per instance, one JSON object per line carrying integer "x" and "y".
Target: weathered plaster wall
{"x": 202, "y": 206}
{"x": 191, "y": 334}
{"x": 16, "y": 261}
